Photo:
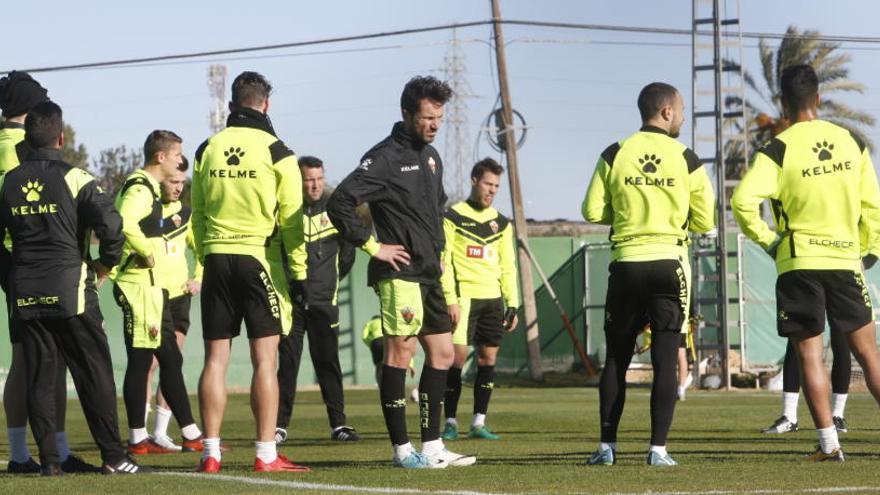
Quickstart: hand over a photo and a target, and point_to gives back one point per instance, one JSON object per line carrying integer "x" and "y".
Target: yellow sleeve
{"x": 372, "y": 246}
{"x": 702, "y": 202}
{"x": 596, "y": 207}
{"x": 507, "y": 256}
{"x": 135, "y": 205}
{"x": 288, "y": 188}
{"x": 447, "y": 280}
{"x": 760, "y": 182}
{"x": 197, "y": 221}
{"x": 869, "y": 222}
{"x": 191, "y": 243}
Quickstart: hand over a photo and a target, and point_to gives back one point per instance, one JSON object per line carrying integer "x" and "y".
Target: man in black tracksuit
{"x": 402, "y": 180}
{"x": 51, "y": 209}
{"x": 316, "y": 310}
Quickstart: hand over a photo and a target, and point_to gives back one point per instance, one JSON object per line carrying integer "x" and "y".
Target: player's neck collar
{"x": 653, "y": 128}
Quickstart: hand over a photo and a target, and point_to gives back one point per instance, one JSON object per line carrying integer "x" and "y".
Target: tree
{"x": 766, "y": 118}
{"x": 73, "y": 153}
{"x": 114, "y": 165}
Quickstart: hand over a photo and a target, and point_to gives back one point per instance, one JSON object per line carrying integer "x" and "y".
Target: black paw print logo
{"x": 824, "y": 150}
{"x": 233, "y": 155}
{"x": 649, "y": 163}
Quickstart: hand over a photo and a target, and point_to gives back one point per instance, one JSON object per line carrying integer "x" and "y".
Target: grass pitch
{"x": 547, "y": 433}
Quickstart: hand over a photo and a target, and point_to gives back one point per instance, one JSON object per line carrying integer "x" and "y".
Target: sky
{"x": 575, "y": 88}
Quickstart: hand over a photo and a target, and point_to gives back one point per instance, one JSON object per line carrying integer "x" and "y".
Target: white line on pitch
{"x": 323, "y": 486}
{"x": 769, "y": 491}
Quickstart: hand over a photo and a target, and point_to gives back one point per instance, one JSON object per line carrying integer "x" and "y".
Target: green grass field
{"x": 547, "y": 434}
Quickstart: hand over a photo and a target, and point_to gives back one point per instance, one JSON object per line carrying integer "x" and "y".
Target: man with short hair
{"x": 247, "y": 208}
{"x": 19, "y": 92}
{"x": 51, "y": 209}
{"x": 651, "y": 190}
{"x": 173, "y": 272}
{"x": 329, "y": 260}
{"x": 139, "y": 292}
{"x": 482, "y": 294}
{"x": 401, "y": 178}
{"x": 823, "y": 189}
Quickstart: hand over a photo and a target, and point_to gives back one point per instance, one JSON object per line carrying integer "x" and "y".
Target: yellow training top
{"x": 479, "y": 257}
{"x": 651, "y": 189}
{"x": 823, "y": 190}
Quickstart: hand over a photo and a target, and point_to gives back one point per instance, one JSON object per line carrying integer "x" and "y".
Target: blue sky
{"x": 576, "y": 88}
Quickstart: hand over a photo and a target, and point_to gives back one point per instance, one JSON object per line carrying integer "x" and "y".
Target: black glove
{"x": 509, "y": 315}
{"x": 298, "y": 292}
{"x": 868, "y": 261}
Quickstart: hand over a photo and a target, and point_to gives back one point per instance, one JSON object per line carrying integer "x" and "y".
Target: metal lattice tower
{"x": 217, "y": 88}
{"x": 719, "y": 132}
{"x": 457, "y": 150}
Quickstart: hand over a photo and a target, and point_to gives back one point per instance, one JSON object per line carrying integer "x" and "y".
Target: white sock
{"x": 402, "y": 451}
{"x": 790, "y": 405}
{"x": 137, "y": 435}
{"x": 607, "y": 445}
{"x": 452, "y": 421}
{"x": 191, "y": 432}
{"x": 432, "y": 447}
{"x": 659, "y": 449}
{"x": 163, "y": 417}
{"x": 63, "y": 447}
{"x": 479, "y": 420}
{"x": 828, "y": 439}
{"x": 18, "y": 448}
{"x": 266, "y": 451}
{"x": 838, "y": 403}
{"x": 211, "y": 448}
{"x": 680, "y": 390}
{"x": 147, "y": 414}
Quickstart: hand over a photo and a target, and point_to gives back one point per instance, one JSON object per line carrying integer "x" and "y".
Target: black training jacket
{"x": 329, "y": 256}
{"x": 50, "y": 209}
{"x": 402, "y": 180}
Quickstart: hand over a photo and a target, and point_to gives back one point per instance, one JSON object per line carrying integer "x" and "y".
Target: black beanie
{"x": 19, "y": 92}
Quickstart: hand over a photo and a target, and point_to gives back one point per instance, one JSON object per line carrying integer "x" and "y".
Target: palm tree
{"x": 765, "y": 117}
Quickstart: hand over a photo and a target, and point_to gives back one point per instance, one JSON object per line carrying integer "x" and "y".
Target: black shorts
{"x": 236, "y": 288}
{"x": 804, "y": 296}
{"x": 642, "y": 292}
{"x": 481, "y": 322}
{"x": 180, "y": 307}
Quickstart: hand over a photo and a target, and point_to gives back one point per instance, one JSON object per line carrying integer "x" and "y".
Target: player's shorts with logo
{"x": 804, "y": 296}
{"x": 411, "y": 308}
{"x": 480, "y": 322}
{"x": 236, "y": 288}
{"x": 180, "y": 307}
{"x": 642, "y": 292}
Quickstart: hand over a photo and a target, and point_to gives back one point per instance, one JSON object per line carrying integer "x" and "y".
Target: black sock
{"x": 664, "y": 355}
{"x": 453, "y": 392}
{"x": 483, "y": 386}
{"x": 431, "y": 388}
{"x": 392, "y": 393}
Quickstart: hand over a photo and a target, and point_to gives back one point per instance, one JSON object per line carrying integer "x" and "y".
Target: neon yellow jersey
{"x": 139, "y": 204}
{"x": 245, "y": 182}
{"x": 651, "y": 190}
{"x": 172, "y": 268}
{"x": 823, "y": 190}
{"x": 11, "y": 145}
{"x": 479, "y": 257}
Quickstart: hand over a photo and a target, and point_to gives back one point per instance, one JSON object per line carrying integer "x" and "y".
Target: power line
{"x": 340, "y": 39}
{"x": 401, "y": 32}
